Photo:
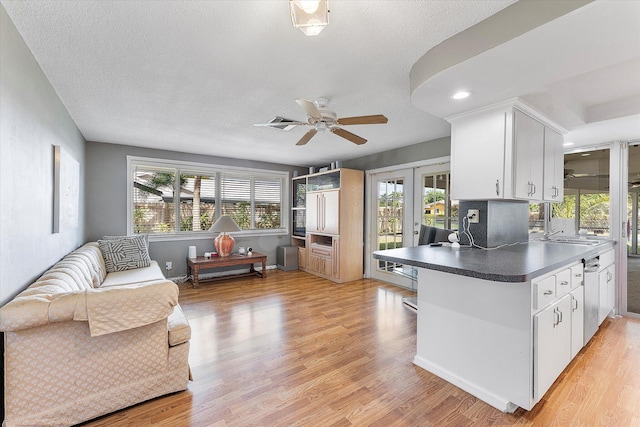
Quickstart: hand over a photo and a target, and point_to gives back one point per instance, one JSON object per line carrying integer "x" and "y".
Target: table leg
{"x": 264, "y": 268}
{"x": 195, "y": 277}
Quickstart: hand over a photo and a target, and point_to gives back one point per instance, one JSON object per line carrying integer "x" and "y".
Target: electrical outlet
{"x": 474, "y": 216}
{"x": 168, "y": 265}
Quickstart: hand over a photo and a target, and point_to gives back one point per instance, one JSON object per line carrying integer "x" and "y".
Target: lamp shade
{"x": 224, "y": 243}
{"x": 225, "y": 224}
{"x": 309, "y": 16}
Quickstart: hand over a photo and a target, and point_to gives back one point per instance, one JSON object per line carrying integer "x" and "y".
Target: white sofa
{"x": 80, "y": 343}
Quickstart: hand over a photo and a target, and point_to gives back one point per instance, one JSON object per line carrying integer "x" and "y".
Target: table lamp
{"x": 224, "y": 243}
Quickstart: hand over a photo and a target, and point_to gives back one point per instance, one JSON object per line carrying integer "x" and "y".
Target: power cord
{"x": 467, "y": 232}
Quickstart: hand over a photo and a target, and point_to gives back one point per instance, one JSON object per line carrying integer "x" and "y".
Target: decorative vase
{"x": 224, "y": 244}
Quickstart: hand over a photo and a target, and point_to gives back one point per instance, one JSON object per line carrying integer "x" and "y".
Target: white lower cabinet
{"x": 558, "y": 328}
{"x": 606, "y": 282}
{"x": 552, "y": 352}
{"x": 577, "y": 320}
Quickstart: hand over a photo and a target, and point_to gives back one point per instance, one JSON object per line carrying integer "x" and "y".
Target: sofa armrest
{"x": 106, "y": 309}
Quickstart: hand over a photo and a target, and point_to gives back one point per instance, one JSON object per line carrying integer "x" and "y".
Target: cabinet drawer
{"x": 606, "y": 259}
{"x": 563, "y": 282}
{"x": 577, "y": 275}
{"x": 321, "y": 250}
{"x": 544, "y": 292}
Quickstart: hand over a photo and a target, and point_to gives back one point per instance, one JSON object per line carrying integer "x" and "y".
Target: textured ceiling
{"x": 194, "y": 76}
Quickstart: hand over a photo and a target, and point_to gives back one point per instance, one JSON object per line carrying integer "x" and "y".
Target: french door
{"x": 401, "y": 201}
{"x": 391, "y": 218}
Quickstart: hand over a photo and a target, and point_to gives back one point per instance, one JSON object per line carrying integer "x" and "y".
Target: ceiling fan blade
{"x": 307, "y": 136}
{"x": 363, "y": 120}
{"x": 348, "y": 135}
{"x": 310, "y": 108}
{"x": 281, "y": 124}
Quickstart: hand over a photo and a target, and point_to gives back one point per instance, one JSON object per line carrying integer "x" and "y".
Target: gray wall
{"x": 32, "y": 120}
{"x": 425, "y": 150}
{"x": 106, "y": 195}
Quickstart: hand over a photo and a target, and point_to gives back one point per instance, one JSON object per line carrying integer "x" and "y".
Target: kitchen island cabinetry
{"x": 503, "y": 324}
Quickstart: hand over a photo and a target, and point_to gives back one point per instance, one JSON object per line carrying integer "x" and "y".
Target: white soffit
{"x": 579, "y": 68}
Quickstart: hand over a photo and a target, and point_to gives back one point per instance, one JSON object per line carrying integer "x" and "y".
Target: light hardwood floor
{"x": 295, "y": 349}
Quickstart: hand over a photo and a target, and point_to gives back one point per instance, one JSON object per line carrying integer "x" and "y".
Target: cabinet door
{"x": 606, "y": 285}
{"x": 528, "y": 157}
{"x": 313, "y": 211}
{"x": 478, "y": 157}
{"x": 331, "y": 212}
{"x": 553, "y": 166}
{"x": 607, "y": 292}
{"x": 577, "y": 320}
{"x": 552, "y": 344}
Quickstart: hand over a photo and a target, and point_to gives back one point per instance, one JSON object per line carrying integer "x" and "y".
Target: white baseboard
{"x": 479, "y": 392}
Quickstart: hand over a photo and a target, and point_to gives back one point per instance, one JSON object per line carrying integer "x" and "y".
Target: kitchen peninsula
{"x": 500, "y": 324}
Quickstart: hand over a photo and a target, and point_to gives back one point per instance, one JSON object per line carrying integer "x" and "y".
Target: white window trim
{"x": 207, "y": 168}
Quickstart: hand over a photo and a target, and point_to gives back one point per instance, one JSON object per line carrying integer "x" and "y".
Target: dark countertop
{"x": 517, "y": 263}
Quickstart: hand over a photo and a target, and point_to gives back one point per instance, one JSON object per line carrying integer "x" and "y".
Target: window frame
{"x": 218, "y": 171}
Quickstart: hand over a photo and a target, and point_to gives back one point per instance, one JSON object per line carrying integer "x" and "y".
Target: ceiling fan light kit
{"x": 323, "y": 119}
{"x": 309, "y": 16}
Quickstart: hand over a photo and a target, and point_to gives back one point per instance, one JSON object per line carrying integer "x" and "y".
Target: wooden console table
{"x": 195, "y": 264}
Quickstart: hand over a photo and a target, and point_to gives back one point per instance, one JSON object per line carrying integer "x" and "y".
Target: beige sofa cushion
{"x": 137, "y": 275}
{"x": 107, "y": 310}
{"x": 179, "y": 329}
{"x": 90, "y": 256}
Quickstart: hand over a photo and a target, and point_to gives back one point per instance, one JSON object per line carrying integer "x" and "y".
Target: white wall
{"x": 32, "y": 120}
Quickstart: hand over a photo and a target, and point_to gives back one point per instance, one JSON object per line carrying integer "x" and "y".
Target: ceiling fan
{"x": 322, "y": 119}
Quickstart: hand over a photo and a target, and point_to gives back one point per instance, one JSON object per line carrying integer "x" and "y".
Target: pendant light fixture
{"x": 309, "y": 16}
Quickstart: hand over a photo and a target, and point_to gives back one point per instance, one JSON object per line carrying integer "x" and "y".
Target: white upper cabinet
{"x": 505, "y": 151}
{"x": 528, "y": 154}
{"x": 553, "y": 166}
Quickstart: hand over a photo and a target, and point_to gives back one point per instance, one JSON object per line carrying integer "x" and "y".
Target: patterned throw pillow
{"x": 125, "y": 253}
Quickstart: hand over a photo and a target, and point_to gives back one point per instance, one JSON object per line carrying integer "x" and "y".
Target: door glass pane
{"x": 633, "y": 233}
{"x": 389, "y": 219}
{"x": 438, "y": 210}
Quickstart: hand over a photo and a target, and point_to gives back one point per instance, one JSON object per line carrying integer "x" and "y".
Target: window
{"x": 176, "y": 199}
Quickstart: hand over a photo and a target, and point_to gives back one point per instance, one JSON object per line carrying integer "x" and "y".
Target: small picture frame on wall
{"x": 66, "y": 190}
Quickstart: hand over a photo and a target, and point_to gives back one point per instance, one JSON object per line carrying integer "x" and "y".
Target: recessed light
{"x": 567, "y": 144}
{"x": 461, "y": 94}
{"x": 585, "y": 154}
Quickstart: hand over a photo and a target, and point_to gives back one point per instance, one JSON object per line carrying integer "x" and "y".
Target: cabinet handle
{"x": 528, "y": 188}
{"x": 575, "y": 303}
{"x": 564, "y": 283}
{"x": 548, "y": 292}
{"x": 533, "y": 189}
{"x": 497, "y": 187}
{"x": 556, "y": 317}
{"x": 560, "y": 313}
{"x": 609, "y": 276}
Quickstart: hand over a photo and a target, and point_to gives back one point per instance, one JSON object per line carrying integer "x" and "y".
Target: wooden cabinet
{"x": 323, "y": 212}
{"x": 505, "y": 151}
{"x": 334, "y": 210}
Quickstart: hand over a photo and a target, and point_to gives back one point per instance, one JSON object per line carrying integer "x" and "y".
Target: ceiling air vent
{"x": 278, "y": 119}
